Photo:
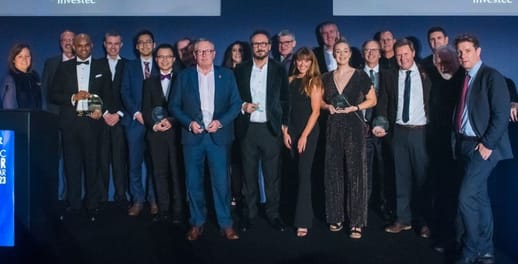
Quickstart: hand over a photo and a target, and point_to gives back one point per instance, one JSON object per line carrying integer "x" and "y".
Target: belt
{"x": 83, "y": 113}
{"x": 467, "y": 138}
{"x": 411, "y": 126}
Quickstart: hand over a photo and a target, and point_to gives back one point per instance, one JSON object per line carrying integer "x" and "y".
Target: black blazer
{"x": 65, "y": 85}
{"x": 115, "y": 104}
{"x": 277, "y": 98}
{"x": 388, "y": 95}
{"x": 153, "y": 96}
{"x": 47, "y": 78}
{"x": 319, "y": 53}
{"x": 488, "y": 107}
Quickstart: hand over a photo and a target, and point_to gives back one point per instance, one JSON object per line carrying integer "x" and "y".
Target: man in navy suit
{"x": 205, "y": 101}
{"x": 162, "y": 137}
{"x": 74, "y": 82}
{"x": 135, "y": 72}
{"x": 480, "y": 141}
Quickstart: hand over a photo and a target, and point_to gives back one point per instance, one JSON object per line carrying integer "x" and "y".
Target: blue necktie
{"x": 406, "y": 98}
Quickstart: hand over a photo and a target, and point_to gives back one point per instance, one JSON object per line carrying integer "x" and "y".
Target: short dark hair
{"x": 260, "y": 32}
{"x": 112, "y": 34}
{"x": 436, "y": 29}
{"x": 466, "y": 37}
{"x": 164, "y": 46}
{"x": 404, "y": 42}
{"x": 144, "y": 32}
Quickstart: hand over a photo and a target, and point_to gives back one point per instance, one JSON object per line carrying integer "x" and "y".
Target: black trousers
{"x": 113, "y": 151}
{"x": 169, "y": 182}
{"x": 81, "y": 156}
{"x": 260, "y": 144}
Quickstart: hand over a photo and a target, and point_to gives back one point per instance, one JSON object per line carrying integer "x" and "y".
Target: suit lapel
{"x": 196, "y": 88}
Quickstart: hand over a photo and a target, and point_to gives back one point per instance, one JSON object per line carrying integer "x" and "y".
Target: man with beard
{"x": 263, "y": 85}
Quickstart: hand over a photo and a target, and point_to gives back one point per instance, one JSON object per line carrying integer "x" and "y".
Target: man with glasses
{"x": 263, "y": 85}
{"x": 287, "y": 44}
{"x": 162, "y": 137}
{"x": 387, "y": 41}
{"x": 205, "y": 101}
{"x": 380, "y": 164}
{"x": 135, "y": 72}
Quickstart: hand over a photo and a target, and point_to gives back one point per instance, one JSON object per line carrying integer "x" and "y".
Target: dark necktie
{"x": 406, "y": 98}
{"x": 165, "y": 76}
{"x": 462, "y": 103}
{"x": 83, "y": 62}
{"x": 147, "y": 70}
{"x": 372, "y": 76}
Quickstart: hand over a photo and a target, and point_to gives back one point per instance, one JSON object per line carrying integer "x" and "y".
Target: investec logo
{"x": 492, "y": 1}
{"x": 76, "y": 2}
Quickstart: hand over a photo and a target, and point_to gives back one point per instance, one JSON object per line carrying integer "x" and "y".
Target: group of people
{"x": 409, "y": 136}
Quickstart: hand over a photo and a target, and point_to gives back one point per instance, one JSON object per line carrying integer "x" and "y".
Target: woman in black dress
{"x": 21, "y": 87}
{"x": 347, "y": 91}
{"x": 301, "y": 134}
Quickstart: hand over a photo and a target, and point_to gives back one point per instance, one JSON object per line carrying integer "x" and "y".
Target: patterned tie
{"x": 462, "y": 103}
{"x": 147, "y": 71}
{"x": 406, "y": 98}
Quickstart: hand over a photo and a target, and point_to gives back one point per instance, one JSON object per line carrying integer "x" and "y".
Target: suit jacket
{"x": 65, "y": 85}
{"x": 488, "y": 108}
{"x": 319, "y": 53}
{"x": 277, "y": 96}
{"x": 154, "y": 96}
{"x": 131, "y": 88}
{"x": 186, "y": 106}
{"x": 388, "y": 95}
{"x": 47, "y": 78}
{"x": 115, "y": 104}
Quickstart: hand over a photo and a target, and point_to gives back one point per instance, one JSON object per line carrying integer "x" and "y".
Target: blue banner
{"x": 6, "y": 188}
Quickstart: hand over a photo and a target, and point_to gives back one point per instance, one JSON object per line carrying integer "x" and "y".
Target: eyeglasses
{"x": 204, "y": 52}
{"x": 285, "y": 42}
{"x": 260, "y": 44}
{"x": 164, "y": 57}
{"x": 371, "y": 50}
{"x": 147, "y": 42}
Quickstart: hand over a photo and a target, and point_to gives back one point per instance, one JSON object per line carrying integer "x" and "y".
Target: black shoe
{"x": 161, "y": 218}
{"x": 245, "y": 224}
{"x": 486, "y": 259}
{"x": 278, "y": 224}
{"x": 93, "y": 214}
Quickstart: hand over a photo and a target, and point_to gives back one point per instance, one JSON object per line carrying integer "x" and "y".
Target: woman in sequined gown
{"x": 345, "y": 178}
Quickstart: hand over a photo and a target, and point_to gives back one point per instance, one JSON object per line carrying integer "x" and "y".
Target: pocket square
{"x": 99, "y": 75}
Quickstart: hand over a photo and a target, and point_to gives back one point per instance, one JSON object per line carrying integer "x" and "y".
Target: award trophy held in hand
{"x": 339, "y": 102}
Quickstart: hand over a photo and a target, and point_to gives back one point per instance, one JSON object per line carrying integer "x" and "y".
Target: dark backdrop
{"x": 239, "y": 18}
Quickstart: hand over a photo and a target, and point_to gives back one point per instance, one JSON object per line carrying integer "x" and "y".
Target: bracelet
{"x": 357, "y": 108}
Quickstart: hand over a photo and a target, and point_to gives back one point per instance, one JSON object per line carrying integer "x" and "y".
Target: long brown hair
{"x": 312, "y": 77}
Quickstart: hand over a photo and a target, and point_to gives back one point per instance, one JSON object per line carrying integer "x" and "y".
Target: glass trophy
{"x": 339, "y": 102}
{"x": 158, "y": 113}
{"x": 95, "y": 103}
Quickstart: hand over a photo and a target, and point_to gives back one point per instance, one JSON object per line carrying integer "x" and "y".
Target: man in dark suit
{"x": 404, "y": 101}
{"x": 480, "y": 141}
{"x": 113, "y": 149}
{"x": 49, "y": 70}
{"x": 379, "y": 158}
{"x": 387, "y": 40}
{"x": 135, "y": 72}
{"x": 437, "y": 38}
{"x": 263, "y": 85}
{"x": 162, "y": 137}
{"x": 328, "y": 34}
{"x": 287, "y": 42}
{"x": 51, "y": 65}
{"x": 205, "y": 101}
{"x": 75, "y": 81}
